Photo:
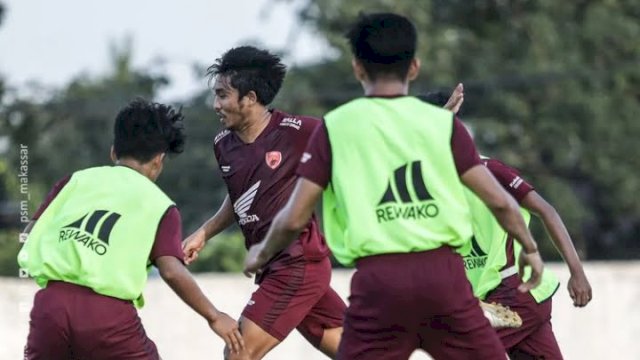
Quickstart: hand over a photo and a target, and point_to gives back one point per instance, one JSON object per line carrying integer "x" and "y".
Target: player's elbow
{"x": 502, "y": 204}
{"x": 506, "y": 211}
{"x": 170, "y": 268}
{"x": 544, "y": 210}
{"x": 294, "y": 224}
{"x": 290, "y": 221}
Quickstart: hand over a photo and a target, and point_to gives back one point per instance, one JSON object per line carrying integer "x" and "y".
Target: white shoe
{"x": 500, "y": 316}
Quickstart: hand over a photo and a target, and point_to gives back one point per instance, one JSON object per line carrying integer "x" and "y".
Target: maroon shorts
{"x": 73, "y": 322}
{"x": 297, "y": 296}
{"x": 403, "y": 302}
{"x": 535, "y": 338}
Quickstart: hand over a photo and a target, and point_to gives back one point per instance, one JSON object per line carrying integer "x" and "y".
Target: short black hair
{"x": 145, "y": 129}
{"x": 437, "y": 98}
{"x": 251, "y": 69}
{"x": 384, "y": 43}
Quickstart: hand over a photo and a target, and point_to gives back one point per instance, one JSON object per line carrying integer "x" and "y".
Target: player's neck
{"x": 386, "y": 88}
{"x": 255, "y": 125}
{"x": 144, "y": 169}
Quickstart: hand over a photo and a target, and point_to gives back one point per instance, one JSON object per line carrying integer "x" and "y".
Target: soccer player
{"x": 491, "y": 264}
{"x": 393, "y": 170}
{"x": 93, "y": 240}
{"x": 258, "y": 153}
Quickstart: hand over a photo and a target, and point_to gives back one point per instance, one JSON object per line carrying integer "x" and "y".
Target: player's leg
{"x": 322, "y": 326}
{"x": 257, "y": 342}
{"x": 533, "y": 315}
{"x": 541, "y": 343}
{"x": 108, "y": 328}
{"x": 71, "y": 321}
{"x": 454, "y": 326}
{"x": 462, "y": 334}
{"x": 382, "y": 319}
{"x": 330, "y": 341}
{"x": 48, "y": 333}
{"x": 278, "y": 306}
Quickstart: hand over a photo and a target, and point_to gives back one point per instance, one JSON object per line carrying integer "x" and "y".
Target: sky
{"x": 51, "y": 41}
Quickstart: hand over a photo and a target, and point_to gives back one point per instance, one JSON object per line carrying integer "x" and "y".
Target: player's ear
{"x": 157, "y": 165}
{"x": 414, "y": 69}
{"x": 250, "y": 99}
{"x": 114, "y": 158}
{"x": 358, "y": 70}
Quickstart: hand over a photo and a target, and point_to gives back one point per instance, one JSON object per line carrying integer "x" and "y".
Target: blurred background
{"x": 552, "y": 88}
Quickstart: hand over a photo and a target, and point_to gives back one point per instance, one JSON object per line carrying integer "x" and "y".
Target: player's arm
{"x": 222, "y": 219}
{"x": 176, "y": 275}
{"x": 286, "y": 225}
{"x": 505, "y": 209}
{"x": 578, "y": 286}
{"x": 166, "y": 255}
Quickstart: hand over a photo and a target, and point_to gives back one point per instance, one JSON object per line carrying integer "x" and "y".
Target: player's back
{"x": 260, "y": 177}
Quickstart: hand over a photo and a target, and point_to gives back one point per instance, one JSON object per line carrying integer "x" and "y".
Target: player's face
{"x": 227, "y": 104}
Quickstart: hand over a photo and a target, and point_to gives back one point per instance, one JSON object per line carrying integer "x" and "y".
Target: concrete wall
{"x": 607, "y": 329}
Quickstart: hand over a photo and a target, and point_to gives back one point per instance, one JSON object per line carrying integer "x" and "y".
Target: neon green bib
{"x": 394, "y": 185}
{"x": 98, "y": 233}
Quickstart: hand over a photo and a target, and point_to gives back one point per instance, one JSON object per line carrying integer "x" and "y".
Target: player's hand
{"x": 227, "y": 328}
{"x": 255, "y": 260}
{"x": 456, "y": 99}
{"x": 579, "y": 289}
{"x": 533, "y": 260}
{"x": 192, "y": 245}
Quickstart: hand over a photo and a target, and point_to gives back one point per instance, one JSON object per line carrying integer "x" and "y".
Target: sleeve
{"x": 55, "y": 190}
{"x": 315, "y": 164}
{"x": 465, "y": 154}
{"x": 509, "y": 178}
{"x": 168, "y": 240}
{"x": 308, "y": 127}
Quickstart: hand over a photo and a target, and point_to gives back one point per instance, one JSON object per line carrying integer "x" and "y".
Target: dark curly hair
{"x": 251, "y": 69}
{"x": 145, "y": 129}
{"x": 384, "y": 43}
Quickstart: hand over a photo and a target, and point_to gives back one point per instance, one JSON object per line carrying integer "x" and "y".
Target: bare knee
{"x": 330, "y": 341}
{"x": 248, "y": 353}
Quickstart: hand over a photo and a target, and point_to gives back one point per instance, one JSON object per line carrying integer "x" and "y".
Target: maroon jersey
{"x": 509, "y": 178}
{"x": 261, "y": 176}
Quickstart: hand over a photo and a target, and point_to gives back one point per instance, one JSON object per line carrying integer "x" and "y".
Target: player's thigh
{"x": 322, "y": 326}
{"x": 540, "y": 344}
{"x": 457, "y": 327}
{"x": 379, "y": 323}
{"x": 534, "y": 315}
{"x": 108, "y": 328}
{"x": 48, "y": 336}
{"x": 362, "y": 340}
{"x": 285, "y": 298}
{"x": 257, "y": 342}
{"x": 465, "y": 334}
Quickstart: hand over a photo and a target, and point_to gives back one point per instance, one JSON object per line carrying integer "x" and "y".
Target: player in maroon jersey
{"x": 258, "y": 153}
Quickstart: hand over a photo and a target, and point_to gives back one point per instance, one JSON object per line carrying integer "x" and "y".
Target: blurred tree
{"x": 553, "y": 88}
